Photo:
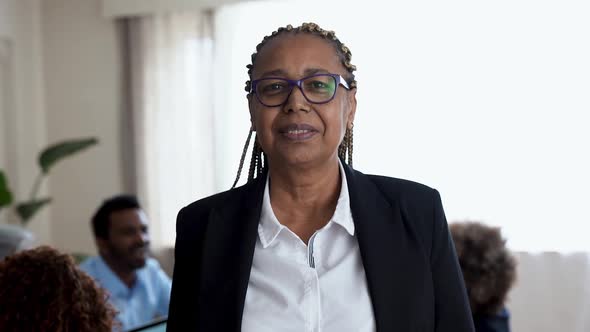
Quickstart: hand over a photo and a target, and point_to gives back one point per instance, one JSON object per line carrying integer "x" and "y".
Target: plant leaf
{"x": 27, "y": 210}
{"x": 79, "y": 257}
{"x": 5, "y": 194}
{"x": 56, "y": 152}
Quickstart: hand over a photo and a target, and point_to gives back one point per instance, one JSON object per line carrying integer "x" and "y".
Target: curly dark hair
{"x": 489, "y": 268}
{"x": 43, "y": 290}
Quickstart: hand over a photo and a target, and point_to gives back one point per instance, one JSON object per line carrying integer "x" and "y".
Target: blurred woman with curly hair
{"x": 489, "y": 270}
{"x": 43, "y": 290}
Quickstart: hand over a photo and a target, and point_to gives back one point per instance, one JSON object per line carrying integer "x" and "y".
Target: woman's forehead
{"x": 297, "y": 54}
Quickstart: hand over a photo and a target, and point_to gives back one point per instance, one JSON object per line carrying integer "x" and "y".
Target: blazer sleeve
{"x": 452, "y": 312}
{"x": 183, "y": 310}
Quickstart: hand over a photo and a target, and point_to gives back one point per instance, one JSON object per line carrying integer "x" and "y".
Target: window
{"x": 485, "y": 101}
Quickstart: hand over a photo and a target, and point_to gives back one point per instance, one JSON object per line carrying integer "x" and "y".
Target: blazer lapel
{"x": 388, "y": 257}
{"x": 227, "y": 258}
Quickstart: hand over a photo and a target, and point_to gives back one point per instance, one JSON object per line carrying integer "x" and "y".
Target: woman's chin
{"x": 300, "y": 159}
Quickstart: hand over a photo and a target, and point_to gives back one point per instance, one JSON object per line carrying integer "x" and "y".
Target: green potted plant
{"x": 27, "y": 209}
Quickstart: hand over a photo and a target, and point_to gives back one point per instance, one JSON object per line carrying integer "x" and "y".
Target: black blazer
{"x": 413, "y": 275}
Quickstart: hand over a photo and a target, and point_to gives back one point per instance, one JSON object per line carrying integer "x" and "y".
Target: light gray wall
{"x": 23, "y": 109}
{"x": 84, "y": 97}
{"x": 118, "y": 8}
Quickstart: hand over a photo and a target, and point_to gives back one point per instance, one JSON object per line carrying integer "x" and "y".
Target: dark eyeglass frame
{"x": 297, "y": 83}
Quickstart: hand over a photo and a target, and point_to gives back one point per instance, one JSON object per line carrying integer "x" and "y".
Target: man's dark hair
{"x": 101, "y": 219}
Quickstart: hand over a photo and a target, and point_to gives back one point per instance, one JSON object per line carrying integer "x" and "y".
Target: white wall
{"x": 485, "y": 101}
{"x": 84, "y": 96}
{"x": 6, "y": 87}
{"x": 23, "y": 110}
{"x": 114, "y": 8}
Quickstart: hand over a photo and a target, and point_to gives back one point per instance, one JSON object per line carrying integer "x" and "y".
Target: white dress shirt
{"x": 319, "y": 287}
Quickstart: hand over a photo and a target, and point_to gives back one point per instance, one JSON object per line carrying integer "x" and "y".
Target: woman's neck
{"x": 304, "y": 200}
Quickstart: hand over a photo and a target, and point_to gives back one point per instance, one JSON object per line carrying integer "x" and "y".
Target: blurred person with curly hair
{"x": 489, "y": 270}
{"x": 43, "y": 290}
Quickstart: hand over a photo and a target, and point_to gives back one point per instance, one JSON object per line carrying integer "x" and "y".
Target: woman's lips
{"x": 298, "y": 132}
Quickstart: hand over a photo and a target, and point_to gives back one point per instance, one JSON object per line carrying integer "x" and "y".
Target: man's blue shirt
{"x": 146, "y": 300}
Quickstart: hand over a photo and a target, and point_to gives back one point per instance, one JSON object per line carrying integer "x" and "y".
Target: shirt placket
{"x": 312, "y": 286}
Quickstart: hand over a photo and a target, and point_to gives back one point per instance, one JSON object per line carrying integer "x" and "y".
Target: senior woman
{"x": 309, "y": 244}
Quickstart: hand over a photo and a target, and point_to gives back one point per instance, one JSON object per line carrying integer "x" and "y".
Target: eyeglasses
{"x": 317, "y": 89}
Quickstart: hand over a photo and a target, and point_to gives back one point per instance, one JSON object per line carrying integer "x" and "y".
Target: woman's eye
{"x": 275, "y": 86}
{"x": 318, "y": 85}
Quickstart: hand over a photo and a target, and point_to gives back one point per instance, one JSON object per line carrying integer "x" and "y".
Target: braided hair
{"x": 257, "y": 162}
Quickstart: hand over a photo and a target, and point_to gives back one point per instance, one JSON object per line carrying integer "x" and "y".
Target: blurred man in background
{"x": 139, "y": 288}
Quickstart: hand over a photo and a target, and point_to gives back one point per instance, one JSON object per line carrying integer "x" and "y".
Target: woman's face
{"x": 300, "y": 133}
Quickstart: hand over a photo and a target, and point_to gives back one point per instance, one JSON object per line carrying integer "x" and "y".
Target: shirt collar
{"x": 270, "y": 227}
{"x": 343, "y": 215}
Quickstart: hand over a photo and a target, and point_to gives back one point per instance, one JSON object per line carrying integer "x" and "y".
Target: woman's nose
{"x": 296, "y": 101}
